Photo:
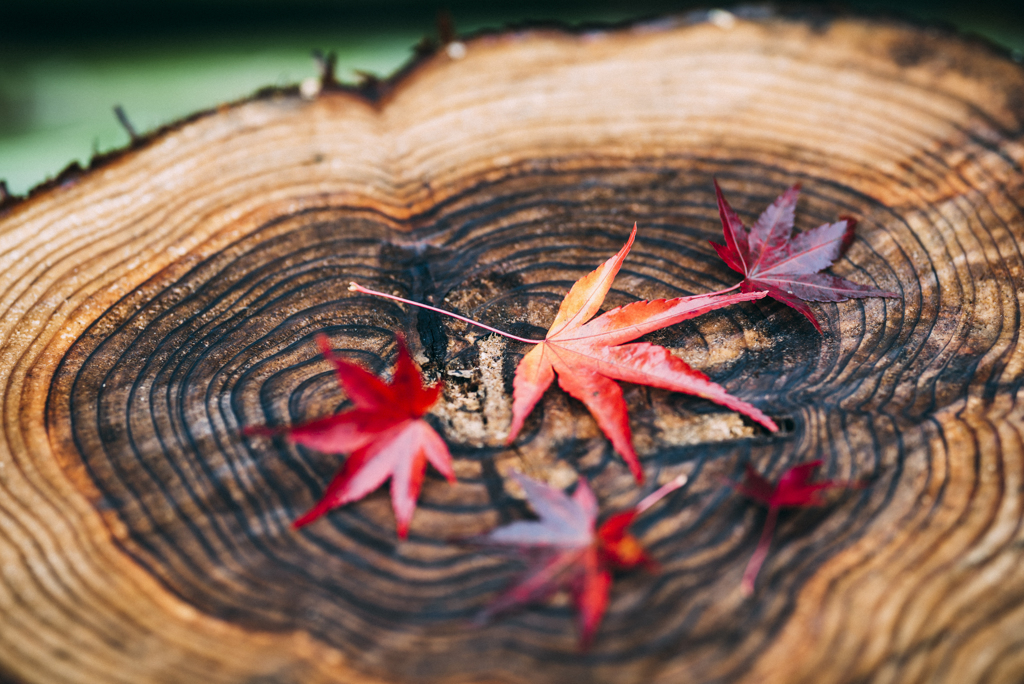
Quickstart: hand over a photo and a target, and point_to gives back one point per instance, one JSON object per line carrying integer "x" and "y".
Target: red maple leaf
{"x": 786, "y": 266}
{"x": 792, "y": 491}
{"x": 383, "y": 433}
{"x": 566, "y": 552}
{"x": 589, "y": 357}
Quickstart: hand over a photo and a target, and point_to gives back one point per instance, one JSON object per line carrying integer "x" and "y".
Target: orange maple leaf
{"x": 589, "y": 356}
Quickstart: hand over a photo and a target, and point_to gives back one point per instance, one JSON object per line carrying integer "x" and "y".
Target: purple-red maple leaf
{"x": 566, "y": 552}
{"x": 792, "y": 491}
{"x": 785, "y": 266}
{"x": 383, "y": 432}
{"x": 589, "y": 357}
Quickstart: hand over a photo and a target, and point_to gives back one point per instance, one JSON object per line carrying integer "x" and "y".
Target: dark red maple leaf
{"x": 792, "y": 491}
{"x": 566, "y": 552}
{"x": 786, "y": 266}
{"x": 383, "y": 433}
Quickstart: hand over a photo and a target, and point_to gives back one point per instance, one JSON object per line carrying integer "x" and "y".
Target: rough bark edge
{"x": 377, "y": 92}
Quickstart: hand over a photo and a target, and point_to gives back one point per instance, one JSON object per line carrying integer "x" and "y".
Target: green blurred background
{"x": 64, "y": 64}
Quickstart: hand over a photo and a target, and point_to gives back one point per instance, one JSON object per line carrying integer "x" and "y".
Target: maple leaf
{"x": 383, "y": 433}
{"x": 792, "y": 491}
{"x": 787, "y": 267}
{"x": 566, "y": 551}
{"x": 589, "y": 356}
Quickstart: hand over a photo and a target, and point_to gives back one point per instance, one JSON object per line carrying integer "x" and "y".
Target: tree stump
{"x": 158, "y": 303}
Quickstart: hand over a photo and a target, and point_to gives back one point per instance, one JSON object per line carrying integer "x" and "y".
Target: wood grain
{"x": 155, "y": 305}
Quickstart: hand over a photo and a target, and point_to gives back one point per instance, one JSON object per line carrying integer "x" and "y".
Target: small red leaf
{"x": 794, "y": 490}
{"x": 383, "y": 433}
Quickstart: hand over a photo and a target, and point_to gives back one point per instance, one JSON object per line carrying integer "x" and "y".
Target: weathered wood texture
{"x": 153, "y": 306}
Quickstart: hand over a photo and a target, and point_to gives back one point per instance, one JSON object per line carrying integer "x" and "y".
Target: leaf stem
{"x": 754, "y": 566}
{"x": 356, "y": 287}
{"x": 660, "y": 493}
{"x": 729, "y": 289}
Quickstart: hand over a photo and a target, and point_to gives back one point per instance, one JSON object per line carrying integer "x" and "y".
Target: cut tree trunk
{"x": 155, "y": 305}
